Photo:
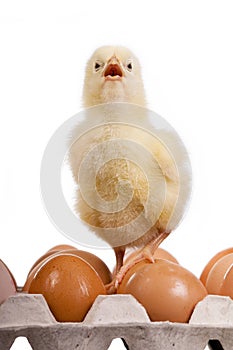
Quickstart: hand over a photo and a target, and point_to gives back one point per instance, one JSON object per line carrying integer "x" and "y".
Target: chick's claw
{"x": 111, "y": 287}
{"x": 141, "y": 255}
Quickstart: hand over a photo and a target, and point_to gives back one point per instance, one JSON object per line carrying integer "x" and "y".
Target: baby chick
{"x": 113, "y": 74}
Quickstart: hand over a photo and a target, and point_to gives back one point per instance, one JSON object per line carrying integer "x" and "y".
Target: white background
{"x": 186, "y": 52}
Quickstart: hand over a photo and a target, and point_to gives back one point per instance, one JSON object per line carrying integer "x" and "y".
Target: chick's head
{"x": 113, "y": 74}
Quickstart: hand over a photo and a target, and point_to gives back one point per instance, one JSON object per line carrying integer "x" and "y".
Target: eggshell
{"x": 218, "y": 273}
{"x": 70, "y": 286}
{"x": 168, "y": 291}
{"x": 98, "y": 264}
{"x": 227, "y": 285}
{"x": 7, "y": 282}
{"x": 211, "y": 263}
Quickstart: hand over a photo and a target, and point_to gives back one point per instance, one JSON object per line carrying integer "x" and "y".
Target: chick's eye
{"x": 97, "y": 66}
{"x": 130, "y": 66}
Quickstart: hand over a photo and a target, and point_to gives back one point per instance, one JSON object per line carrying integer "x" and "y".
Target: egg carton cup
{"x": 115, "y": 316}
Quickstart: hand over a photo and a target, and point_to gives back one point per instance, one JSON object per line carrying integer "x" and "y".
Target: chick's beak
{"x": 113, "y": 70}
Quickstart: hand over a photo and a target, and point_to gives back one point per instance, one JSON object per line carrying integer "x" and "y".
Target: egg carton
{"x": 115, "y": 316}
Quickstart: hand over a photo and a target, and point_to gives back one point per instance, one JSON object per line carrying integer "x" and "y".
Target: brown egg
{"x": 54, "y": 250}
{"x": 217, "y": 274}
{"x": 227, "y": 285}
{"x": 7, "y": 283}
{"x": 98, "y": 264}
{"x": 168, "y": 291}
{"x": 100, "y": 267}
{"x": 70, "y": 286}
{"x": 40, "y": 262}
{"x": 42, "y": 258}
{"x": 160, "y": 253}
{"x": 61, "y": 247}
{"x": 211, "y": 263}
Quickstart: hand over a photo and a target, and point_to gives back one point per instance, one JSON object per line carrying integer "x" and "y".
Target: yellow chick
{"x": 155, "y": 186}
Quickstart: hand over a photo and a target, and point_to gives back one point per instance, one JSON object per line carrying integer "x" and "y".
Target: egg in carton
{"x": 115, "y": 316}
{"x": 110, "y": 317}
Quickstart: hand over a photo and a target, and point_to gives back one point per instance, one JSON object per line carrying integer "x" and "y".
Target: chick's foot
{"x": 145, "y": 253}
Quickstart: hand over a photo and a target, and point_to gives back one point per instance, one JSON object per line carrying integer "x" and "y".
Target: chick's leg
{"x": 119, "y": 253}
{"x": 145, "y": 253}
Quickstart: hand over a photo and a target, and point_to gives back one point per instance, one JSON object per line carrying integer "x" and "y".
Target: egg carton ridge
{"x": 110, "y": 317}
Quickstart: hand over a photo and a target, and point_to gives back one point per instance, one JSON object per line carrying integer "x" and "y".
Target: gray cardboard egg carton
{"x": 116, "y": 316}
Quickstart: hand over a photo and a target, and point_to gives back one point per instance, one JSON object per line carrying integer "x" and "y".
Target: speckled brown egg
{"x": 42, "y": 258}
{"x": 168, "y": 291}
{"x": 98, "y": 264}
{"x": 69, "y": 284}
{"x": 7, "y": 283}
{"x": 52, "y": 251}
{"x": 33, "y": 271}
